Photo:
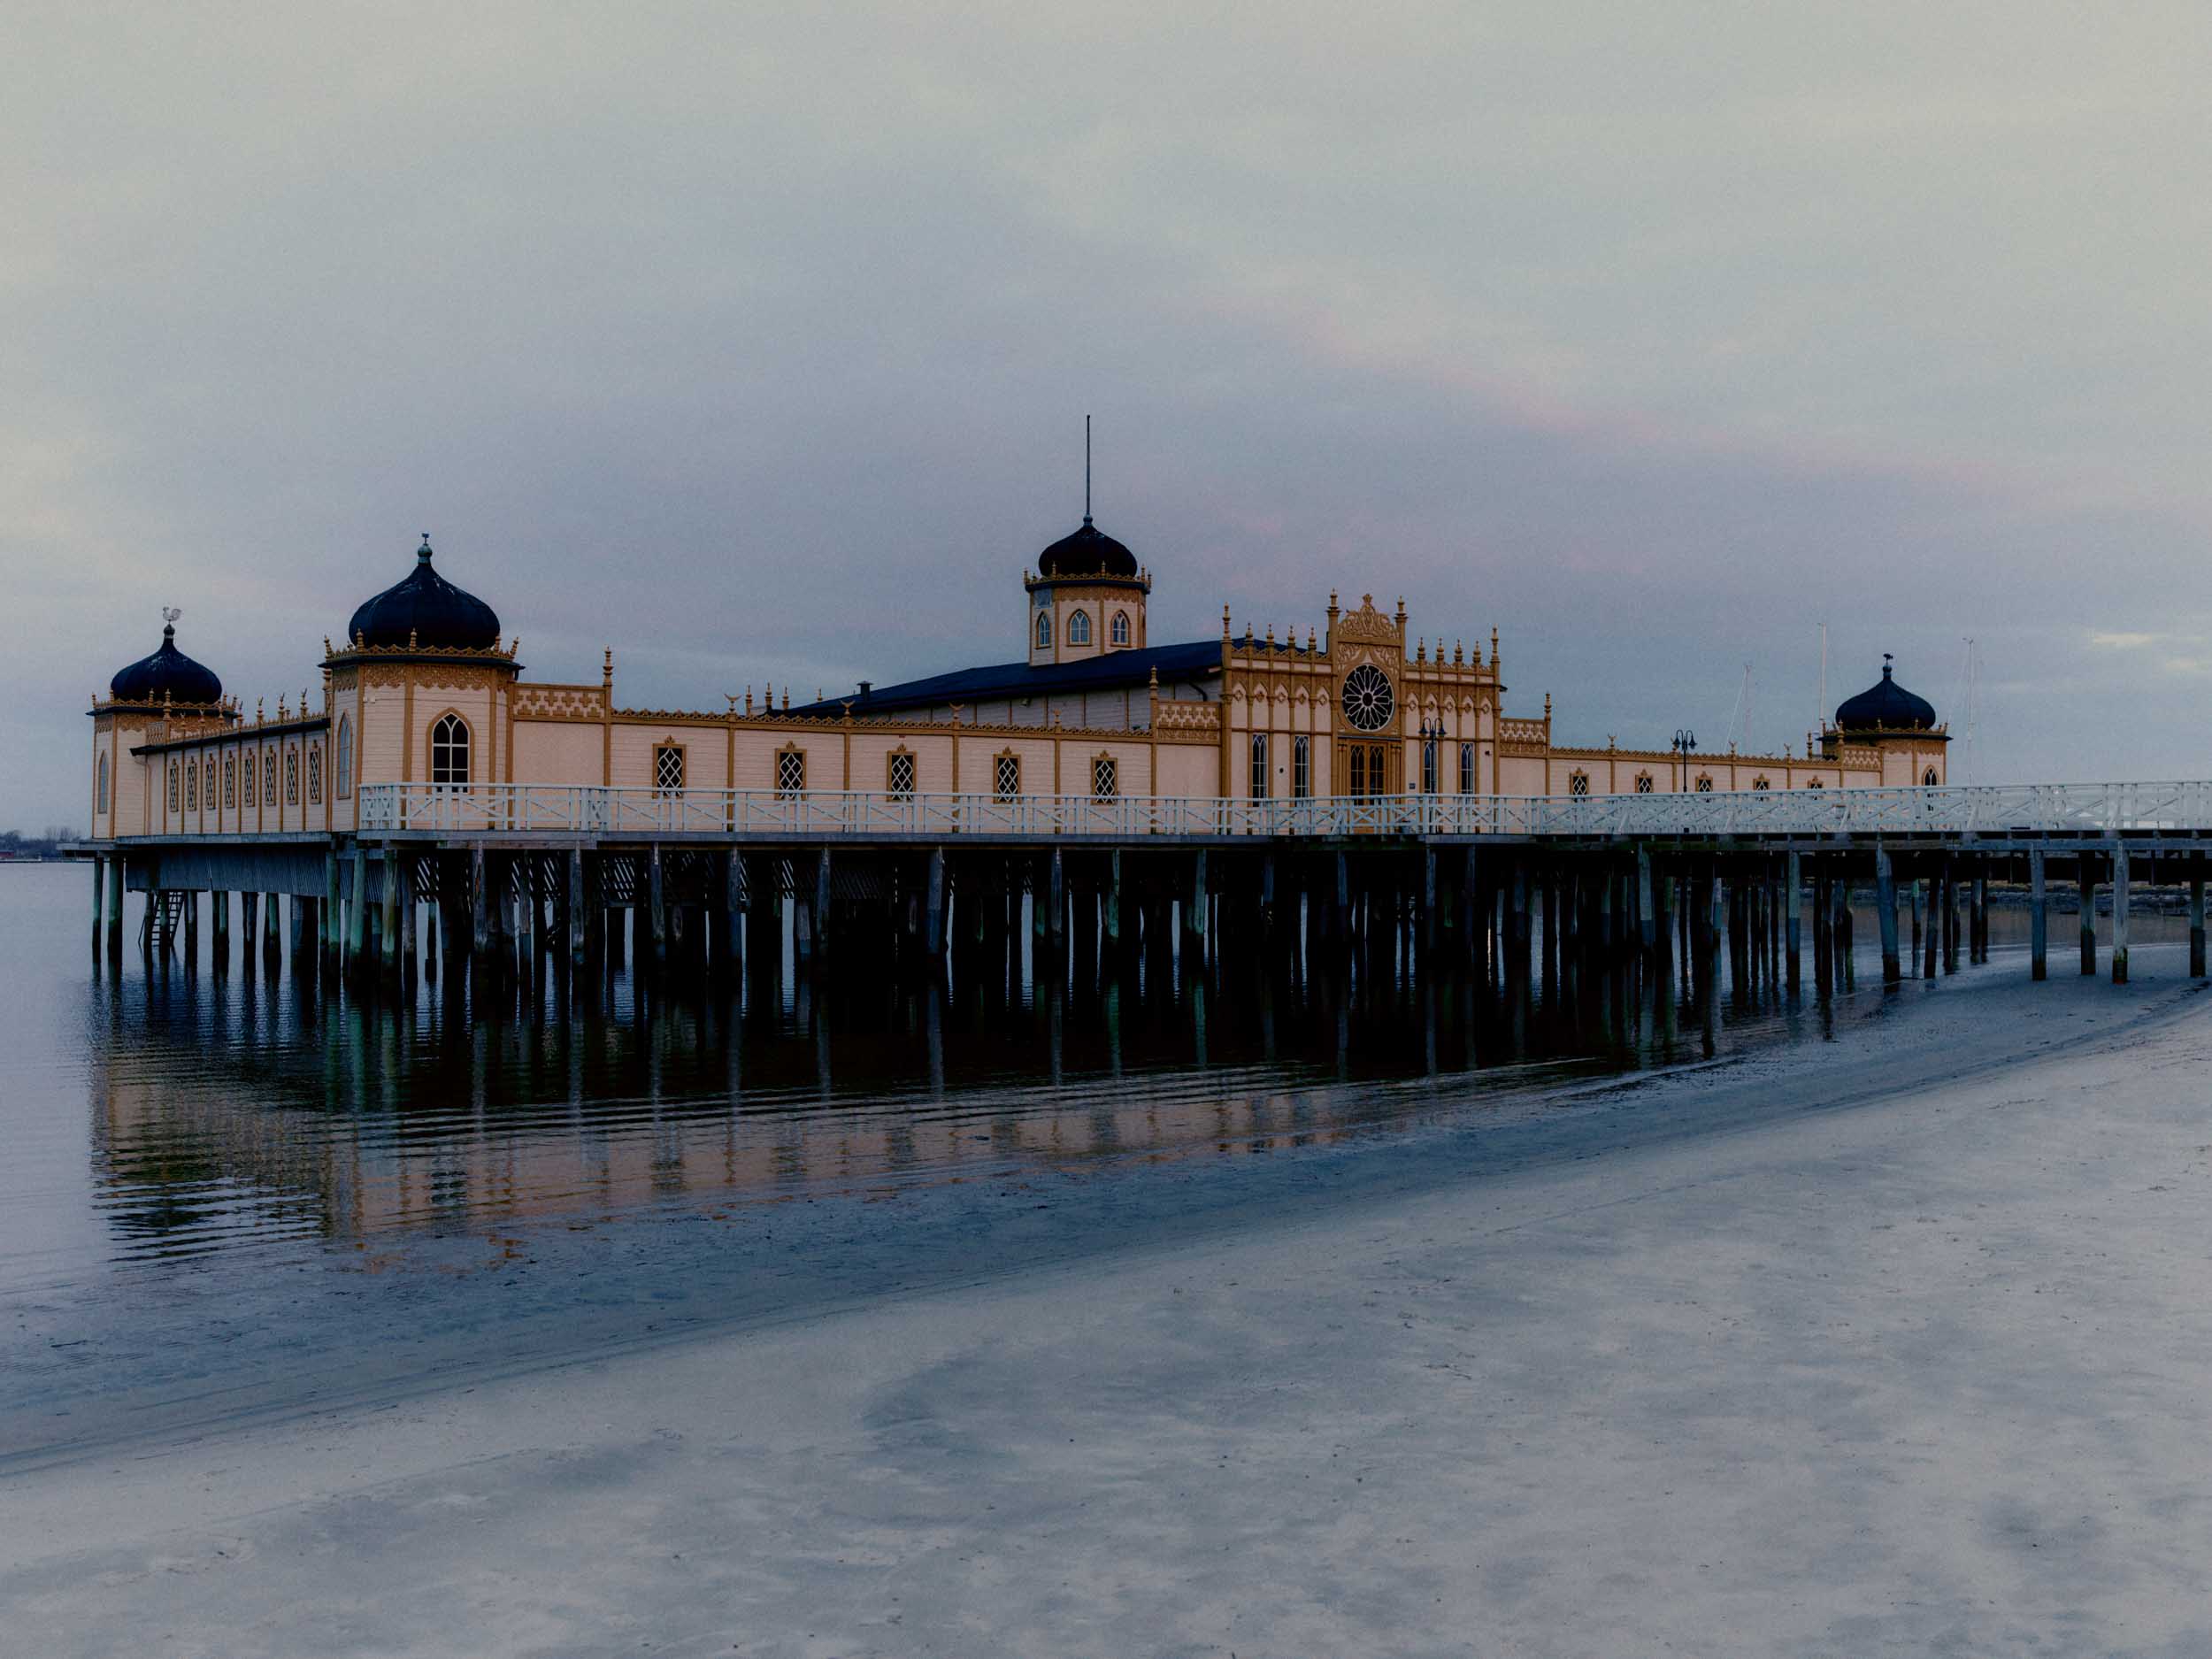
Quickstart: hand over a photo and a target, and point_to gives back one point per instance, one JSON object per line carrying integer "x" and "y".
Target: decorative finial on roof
{"x": 1086, "y": 469}
{"x": 423, "y": 552}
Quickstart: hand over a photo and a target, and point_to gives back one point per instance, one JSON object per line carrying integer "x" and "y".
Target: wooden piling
{"x": 2088, "y": 884}
{"x": 2120, "y": 914}
{"x": 389, "y": 941}
{"x": 219, "y": 906}
{"x": 2039, "y": 917}
{"x": 2196, "y": 918}
{"x": 1885, "y": 915}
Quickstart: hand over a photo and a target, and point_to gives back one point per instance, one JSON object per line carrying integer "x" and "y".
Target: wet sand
{"x": 1893, "y": 1344}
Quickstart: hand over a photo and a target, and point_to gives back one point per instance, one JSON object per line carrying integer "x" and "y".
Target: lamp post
{"x": 1685, "y": 745}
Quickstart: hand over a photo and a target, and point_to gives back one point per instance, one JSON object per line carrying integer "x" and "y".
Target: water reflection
{"x": 252, "y": 1108}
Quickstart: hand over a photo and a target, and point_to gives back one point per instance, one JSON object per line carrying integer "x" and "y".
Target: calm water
{"x": 156, "y": 1121}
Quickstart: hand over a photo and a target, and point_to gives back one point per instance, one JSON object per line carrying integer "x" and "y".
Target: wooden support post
{"x": 1194, "y": 908}
{"x": 934, "y": 905}
{"x": 1055, "y": 897}
{"x": 1977, "y": 901}
{"x": 1886, "y": 914}
{"x": 1950, "y": 917}
{"x": 192, "y": 928}
{"x": 357, "y": 906}
{"x": 579, "y": 911}
{"x": 2120, "y": 914}
{"x": 480, "y": 905}
{"x": 249, "y": 924}
{"x": 99, "y": 899}
{"x": 1428, "y": 897}
{"x": 407, "y": 907}
{"x": 331, "y": 915}
{"x": 389, "y": 936}
{"x": 1518, "y": 943}
{"x": 1823, "y": 949}
{"x": 219, "y": 908}
{"x": 2197, "y": 919}
{"x": 115, "y": 904}
{"x": 727, "y": 921}
{"x": 307, "y": 929}
{"x": 2088, "y": 885}
{"x": 821, "y": 907}
{"x": 2039, "y": 917}
{"x": 1647, "y": 915}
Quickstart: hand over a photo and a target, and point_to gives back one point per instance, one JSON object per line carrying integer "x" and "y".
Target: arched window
{"x": 230, "y": 781}
{"x": 291, "y": 777}
{"x": 1466, "y": 769}
{"x": 1259, "y": 766}
{"x": 175, "y": 786}
{"x": 1643, "y": 783}
{"x": 1105, "y": 778}
{"x": 345, "y": 756}
{"x": 191, "y": 786}
{"x": 1761, "y": 783}
{"x": 1929, "y": 779}
{"x": 1121, "y": 627}
{"x": 449, "y": 751}
{"x": 1302, "y": 767}
{"x": 1044, "y": 630}
{"x": 1080, "y": 628}
{"x": 1815, "y": 784}
{"x": 1578, "y": 783}
{"x": 104, "y": 785}
{"x": 315, "y": 774}
{"x": 1704, "y": 784}
{"x": 1428, "y": 765}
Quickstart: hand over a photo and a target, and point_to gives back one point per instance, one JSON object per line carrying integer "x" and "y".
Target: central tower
{"x": 1086, "y": 596}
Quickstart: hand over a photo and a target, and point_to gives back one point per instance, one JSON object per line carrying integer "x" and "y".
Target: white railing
{"x": 2079, "y": 809}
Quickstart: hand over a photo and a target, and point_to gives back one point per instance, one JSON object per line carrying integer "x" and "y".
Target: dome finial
{"x": 423, "y": 552}
{"x": 1888, "y": 663}
{"x": 1086, "y": 469}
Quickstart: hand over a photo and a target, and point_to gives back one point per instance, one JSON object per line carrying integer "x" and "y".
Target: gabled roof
{"x": 1020, "y": 680}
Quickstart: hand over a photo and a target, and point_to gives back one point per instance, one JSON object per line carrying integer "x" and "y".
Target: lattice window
{"x": 1121, "y": 627}
{"x": 668, "y": 768}
{"x": 268, "y": 778}
{"x": 176, "y": 786}
{"x": 1704, "y": 784}
{"x": 1258, "y": 771}
{"x": 1006, "y": 776}
{"x": 104, "y": 785}
{"x": 1466, "y": 769}
{"x": 899, "y": 772}
{"x": 291, "y": 777}
{"x": 449, "y": 751}
{"x": 1643, "y": 783}
{"x": 791, "y": 771}
{"x": 192, "y": 786}
{"x": 1105, "y": 778}
{"x": 230, "y": 782}
{"x": 247, "y": 791}
{"x": 1080, "y": 628}
{"x": 1302, "y": 767}
{"x": 315, "y": 775}
{"x": 345, "y": 756}
{"x": 1579, "y": 783}
{"x": 1761, "y": 783}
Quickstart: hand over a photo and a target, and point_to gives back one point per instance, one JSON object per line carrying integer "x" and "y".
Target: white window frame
{"x": 449, "y": 735}
{"x": 1078, "y": 627}
{"x": 1257, "y": 778}
{"x": 1300, "y": 767}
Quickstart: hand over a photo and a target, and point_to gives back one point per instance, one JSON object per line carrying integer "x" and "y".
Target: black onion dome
{"x": 168, "y": 673}
{"x": 1886, "y": 704}
{"x": 426, "y": 609}
{"x": 1090, "y": 551}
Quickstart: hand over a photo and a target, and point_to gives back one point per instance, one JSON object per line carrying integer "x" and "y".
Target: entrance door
{"x": 1364, "y": 773}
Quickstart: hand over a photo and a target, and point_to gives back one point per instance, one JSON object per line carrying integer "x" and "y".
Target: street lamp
{"x": 1685, "y": 744}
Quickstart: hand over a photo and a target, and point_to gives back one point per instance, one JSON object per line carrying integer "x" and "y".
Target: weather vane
{"x": 169, "y": 613}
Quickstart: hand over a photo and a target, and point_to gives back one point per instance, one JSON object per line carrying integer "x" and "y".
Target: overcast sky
{"x": 755, "y": 343}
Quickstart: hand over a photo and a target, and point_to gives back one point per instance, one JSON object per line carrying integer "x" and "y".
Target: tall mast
{"x": 1086, "y": 469}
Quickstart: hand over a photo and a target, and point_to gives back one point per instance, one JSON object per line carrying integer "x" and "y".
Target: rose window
{"x": 1368, "y": 704}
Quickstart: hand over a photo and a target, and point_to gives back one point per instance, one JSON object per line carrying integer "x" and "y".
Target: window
{"x": 1105, "y": 778}
{"x": 1121, "y": 627}
{"x": 1643, "y": 783}
{"x": 790, "y": 770}
{"x": 1761, "y": 783}
{"x": 175, "y": 797}
{"x": 1578, "y": 783}
{"x": 899, "y": 772}
{"x": 291, "y": 777}
{"x": 1368, "y": 700}
{"x": 1302, "y": 766}
{"x": 1006, "y": 776}
{"x": 191, "y": 786}
{"x": 104, "y": 785}
{"x": 315, "y": 775}
{"x": 345, "y": 758}
{"x": 668, "y": 769}
{"x": 1080, "y": 628}
{"x": 1929, "y": 778}
{"x": 1044, "y": 630}
{"x": 1428, "y": 766}
{"x": 230, "y": 781}
{"x": 1466, "y": 769}
{"x": 1704, "y": 784}
{"x": 1815, "y": 784}
{"x": 1259, "y": 766}
{"x": 449, "y": 751}
{"x": 268, "y": 779}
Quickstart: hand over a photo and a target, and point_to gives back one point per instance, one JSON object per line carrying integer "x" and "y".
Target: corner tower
{"x": 1897, "y": 728}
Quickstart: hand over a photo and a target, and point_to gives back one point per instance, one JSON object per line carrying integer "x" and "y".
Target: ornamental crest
{"x": 1365, "y": 625}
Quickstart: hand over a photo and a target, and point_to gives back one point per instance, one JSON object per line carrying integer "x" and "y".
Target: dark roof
{"x": 1019, "y": 680}
{"x": 426, "y": 609}
{"x": 1886, "y": 703}
{"x": 1088, "y": 551}
{"x": 168, "y": 673}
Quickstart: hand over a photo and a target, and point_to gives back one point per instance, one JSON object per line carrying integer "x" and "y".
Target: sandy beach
{"x": 1885, "y": 1345}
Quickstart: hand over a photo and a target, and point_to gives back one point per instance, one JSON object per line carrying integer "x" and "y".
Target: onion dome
{"x": 1888, "y": 705}
{"x": 426, "y": 611}
{"x": 168, "y": 674}
{"x": 1090, "y": 551}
